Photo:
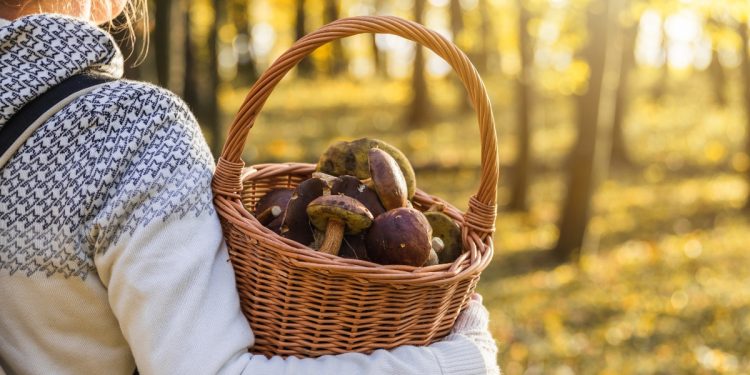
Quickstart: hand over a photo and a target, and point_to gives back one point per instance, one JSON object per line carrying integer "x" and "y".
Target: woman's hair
{"x": 126, "y": 27}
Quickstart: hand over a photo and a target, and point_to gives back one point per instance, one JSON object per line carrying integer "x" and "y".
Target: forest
{"x": 624, "y": 140}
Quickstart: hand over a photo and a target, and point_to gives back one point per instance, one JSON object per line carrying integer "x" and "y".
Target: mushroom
{"x": 432, "y": 260}
{"x": 264, "y": 209}
{"x": 400, "y": 236}
{"x": 354, "y": 247}
{"x": 296, "y": 225}
{"x": 446, "y": 236}
{"x": 387, "y": 179}
{"x": 353, "y": 187}
{"x": 337, "y": 214}
{"x": 351, "y": 158}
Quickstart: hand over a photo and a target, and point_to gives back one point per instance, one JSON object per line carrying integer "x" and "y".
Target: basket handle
{"x": 482, "y": 206}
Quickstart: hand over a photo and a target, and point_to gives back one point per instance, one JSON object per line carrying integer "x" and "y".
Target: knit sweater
{"x": 111, "y": 253}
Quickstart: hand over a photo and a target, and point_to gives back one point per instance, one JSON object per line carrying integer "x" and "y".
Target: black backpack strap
{"x": 24, "y": 122}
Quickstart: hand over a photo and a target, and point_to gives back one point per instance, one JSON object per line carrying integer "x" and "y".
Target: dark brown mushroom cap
{"x": 353, "y": 214}
{"x": 353, "y": 187}
{"x": 447, "y": 230}
{"x": 276, "y": 197}
{"x": 400, "y": 236}
{"x": 275, "y": 224}
{"x": 296, "y": 225}
{"x": 387, "y": 179}
{"x": 354, "y": 247}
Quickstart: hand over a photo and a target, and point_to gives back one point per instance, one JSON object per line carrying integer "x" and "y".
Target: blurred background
{"x": 623, "y": 229}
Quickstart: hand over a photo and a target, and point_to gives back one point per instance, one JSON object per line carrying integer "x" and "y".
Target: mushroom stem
{"x": 368, "y": 182}
{"x": 268, "y": 214}
{"x": 437, "y": 244}
{"x": 334, "y": 235}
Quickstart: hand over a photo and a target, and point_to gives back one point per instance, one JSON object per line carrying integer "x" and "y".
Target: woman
{"x": 111, "y": 253}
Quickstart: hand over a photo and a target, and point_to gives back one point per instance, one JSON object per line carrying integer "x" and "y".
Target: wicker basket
{"x": 300, "y": 302}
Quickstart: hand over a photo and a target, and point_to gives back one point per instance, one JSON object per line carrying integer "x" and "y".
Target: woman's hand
{"x": 473, "y": 323}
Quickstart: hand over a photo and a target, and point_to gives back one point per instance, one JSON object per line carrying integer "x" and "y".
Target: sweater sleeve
{"x": 160, "y": 254}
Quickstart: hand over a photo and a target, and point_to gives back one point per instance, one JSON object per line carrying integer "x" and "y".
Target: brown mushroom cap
{"x": 296, "y": 225}
{"x": 337, "y": 214}
{"x": 400, "y": 236}
{"x": 350, "y": 158}
{"x": 276, "y": 197}
{"x": 355, "y": 216}
{"x": 444, "y": 228}
{"x": 387, "y": 179}
{"x": 354, "y": 247}
{"x": 353, "y": 187}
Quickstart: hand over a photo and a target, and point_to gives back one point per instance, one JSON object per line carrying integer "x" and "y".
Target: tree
{"x": 620, "y": 156}
{"x": 577, "y": 201}
{"x": 212, "y": 122}
{"x": 337, "y": 63}
{"x": 247, "y": 71}
{"x": 305, "y": 68}
{"x": 486, "y": 38}
{"x": 745, "y": 67}
{"x": 378, "y": 59}
{"x": 660, "y": 87}
{"x": 169, "y": 37}
{"x": 419, "y": 110}
{"x": 524, "y": 106}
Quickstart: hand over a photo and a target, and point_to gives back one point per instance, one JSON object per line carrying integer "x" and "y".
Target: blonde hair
{"x": 126, "y": 26}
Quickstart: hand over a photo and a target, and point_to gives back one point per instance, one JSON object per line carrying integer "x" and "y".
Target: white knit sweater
{"x": 111, "y": 253}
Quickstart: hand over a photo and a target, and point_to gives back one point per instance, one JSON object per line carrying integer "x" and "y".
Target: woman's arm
{"x": 170, "y": 284}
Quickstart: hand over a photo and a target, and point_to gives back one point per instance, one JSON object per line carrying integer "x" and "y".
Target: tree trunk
{"x": 191, "y": 95}
{"x": 457, "y": 27}
{"x": 247, "y": 71}
{"x": 745, "y": 67}
{"x": 213, "y": 112}
{"x": 169, "y": 37}
{"x": 419, "y": 110}
{"x": 620, "y": 156}
{"x": 161, "y": 35}
{"x": 660, "y": 88}
{"x": 337, "y": 63}
{"x": 524, "y": 108}
{"x": 378, "y": 60}
{"x": 305, "y": 68}
{"x": 718, "y": 79}
{"x": 486, "y": 38}
{"x": 576, "y": 203}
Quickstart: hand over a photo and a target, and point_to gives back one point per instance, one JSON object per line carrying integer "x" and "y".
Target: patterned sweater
{"x": 111, "y": 253}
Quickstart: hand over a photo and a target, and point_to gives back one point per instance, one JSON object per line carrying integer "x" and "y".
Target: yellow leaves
{"x": 714, "y": 152}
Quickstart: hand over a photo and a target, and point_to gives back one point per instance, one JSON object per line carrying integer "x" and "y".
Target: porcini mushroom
{"x": 296, "y": 225}
{"x": 400, "y": 236}
{"x": 336, "y": 215}
{"x": 353, "y": 187}
{"x": 387, "y": 179}
{"x": 350, "y": 158}
{"x": 446, "y": 236}
{"x": 354, "y": 247}
{"x": 432, "y": 260}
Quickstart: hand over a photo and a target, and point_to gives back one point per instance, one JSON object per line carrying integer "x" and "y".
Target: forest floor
{"x": 663, "y": 286}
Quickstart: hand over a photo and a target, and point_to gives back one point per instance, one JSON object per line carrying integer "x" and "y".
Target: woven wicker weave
{"x": 301, "y": 302}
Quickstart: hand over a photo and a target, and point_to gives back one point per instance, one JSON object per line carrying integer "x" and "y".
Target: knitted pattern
{"x": 113, "y": 160}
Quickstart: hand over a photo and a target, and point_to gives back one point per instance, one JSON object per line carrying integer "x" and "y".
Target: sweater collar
{"x": 41, "y": 50}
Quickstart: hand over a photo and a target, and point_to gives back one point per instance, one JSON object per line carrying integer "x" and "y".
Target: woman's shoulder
{"x": 139, "y": 101}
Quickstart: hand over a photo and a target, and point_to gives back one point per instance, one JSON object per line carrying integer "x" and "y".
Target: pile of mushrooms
{"x": 357, "y": 205}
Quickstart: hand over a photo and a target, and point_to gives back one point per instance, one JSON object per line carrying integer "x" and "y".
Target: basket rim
{"x": 470, "y": 263}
